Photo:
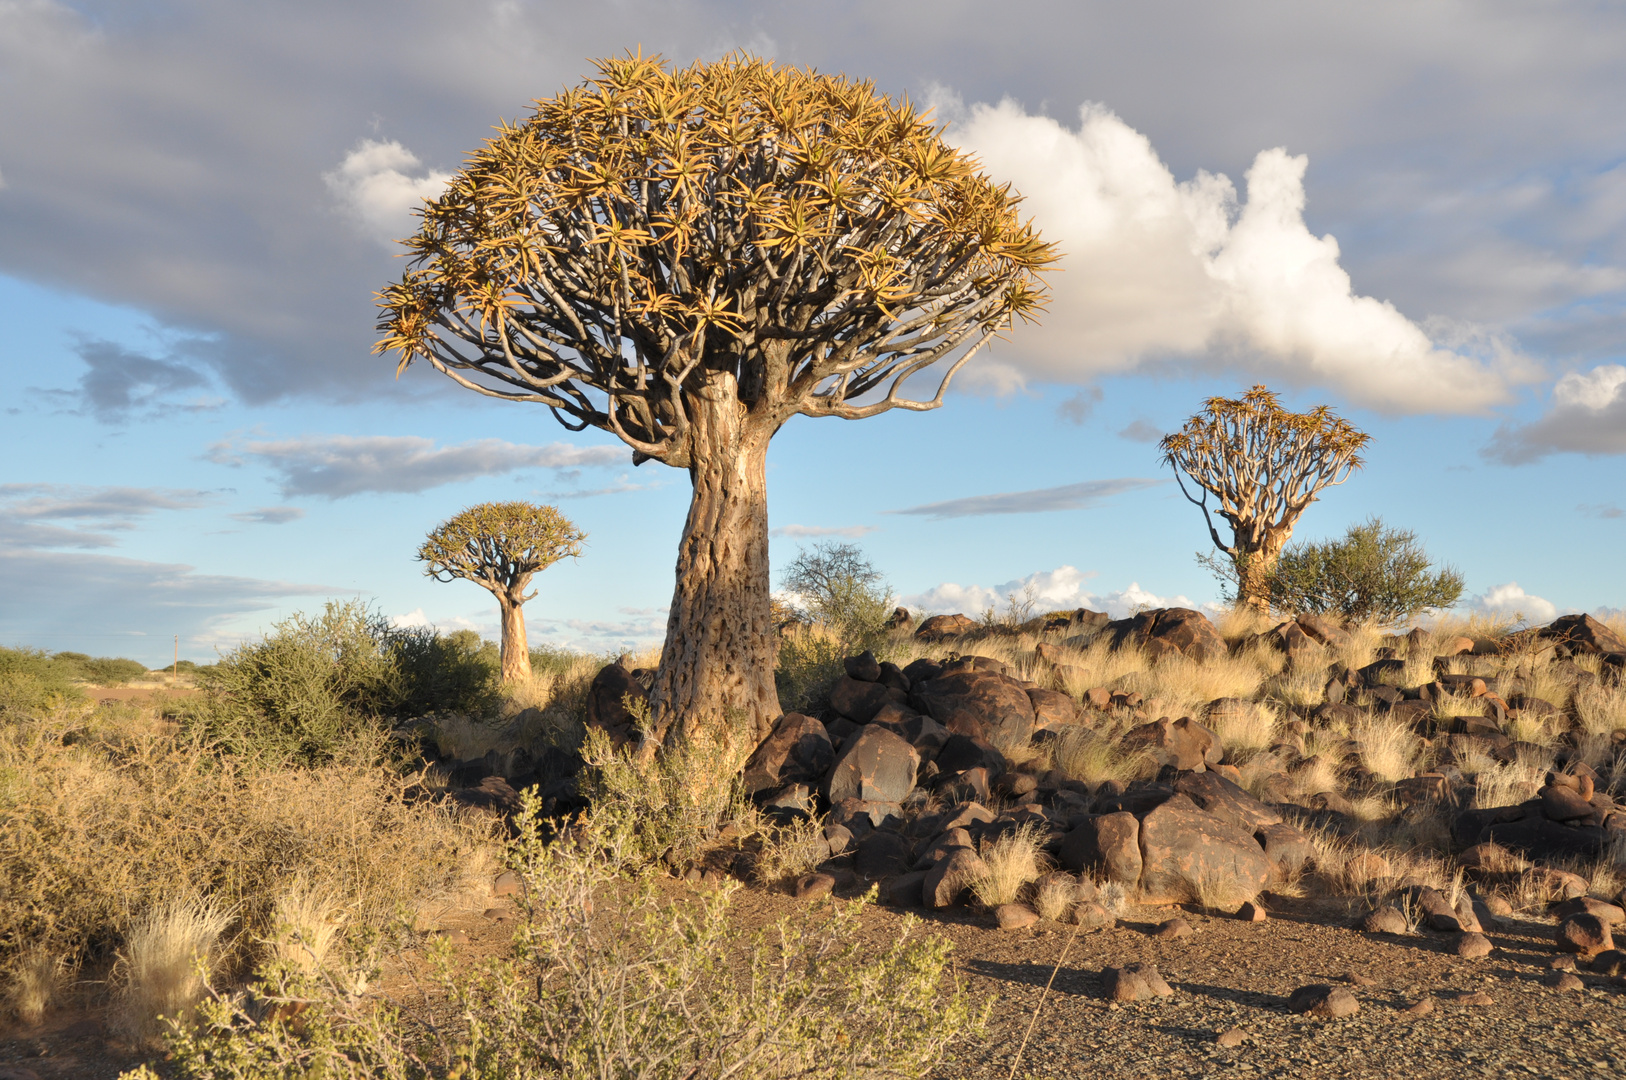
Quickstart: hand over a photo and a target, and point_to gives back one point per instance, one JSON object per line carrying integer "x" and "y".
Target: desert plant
{"x": 306, "y": 923}
{"x": 670, "y": 804}
{"x": 168, "y": 955}
{"x": 453, "y": 672}
{"x": 37, "y": 978}
{"x": 1093, "y": 758}
{"x": 1055, "y": 898}
{"x": 791, "y": 850}
{"x": 834, "y": 584}
{"x": 501, "y": 547}
{"x": 809, "y": 663}
{"x": 1266, "y": 466}
{"x": 1009, "y": 862}
{"x": 612, "y": 981}
{"x": 1374, "y": 573}
{"x": 754, "y": 243}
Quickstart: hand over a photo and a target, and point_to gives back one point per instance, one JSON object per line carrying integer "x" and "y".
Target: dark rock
{"x": 961, "y": 752}
{"x": 1323, "y": 631}
{"x": 1563, "y": 804}
{"x": 882, "y": 853}
{"x": 1385, "y": 920}
{"x": 1110, "y": 842}
{"x": 1326, "y": 1002}
{"x": 864, "y": 668}
{"x": 942, "y": 847}
{"x": 1586, "y": 935}
{"x": 1189, "y": 855}
{"x": 1609, "y": 962}
{"x": 861, "y": 815}
{"x": 607, "y": 697}
{"x": 1252, "y": 911}
{"x": 1182, "y": 744}
{"x": 1472, "y": 945}
{"x": 922, "y": 669}
{"x": 939, "y": 627}
{"x": 1054, "y": 709}
{"x": 904, "y": 890}
{"x": 944, "y": 883}
{"x": 839, "y": 837}
{"x": 877, "y": 766}
{"x": 1135, "y": 982}
{"x": 900, "y": 619}
{"x": 1091, "y": 915}
{"x": 798, "y": 749}
{"x": 860, "y": 701}
{"x": 1140, "y": 798}
{"x": 1165, "y": 631}
{"x": 792, "y": 798}
{"x": 1014, "y": 916}
{"x": 1287, "y": 847}
{"x": 967, "y": 816}
{"x": 893, "y": 676}
{"x": 1226, "y": 800}
{"x": 1583, "y": 633}
{"x": 1607, "y": 913}
{"x": 977, "y": 703}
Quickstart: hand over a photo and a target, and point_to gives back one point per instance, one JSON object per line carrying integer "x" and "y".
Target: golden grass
{"x": 1055, "y": 898}
{"x": 36, "y": 982}
{"x": 306, "y": 923}
{"x": 1601, "y": 710}
{"x": 168, "y": 953}
{"x": 1244, "y": 727}
{"x": 791, "y": 851}
{"x": 1009, "y": 863}
{"x": 1391, "y": 751}
{"x": 1094, "y": 758}
{"x": 109, "y": 818}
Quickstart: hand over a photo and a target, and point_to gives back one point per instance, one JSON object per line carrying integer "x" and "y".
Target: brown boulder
{"x": 798, "y": 749}
{"x": 877, "y": 765}
{"x": 607, "y": 697}
{"x": 1385, "y": 920}
{"x": 945, "y": 882}
{"x": 1326, "y": 1002}
{"x": 1565, "y": 804}
{"x": 1169, "y": 631}
{"x": 1226, "y": 800}
{"x": 1287, "y": 847}
{"x": 1184, "y": 743}
{"x": 860, "y": 701}
{"x": 1190, "y": 855}
{"x": 1054, "y": 709}
{"x": 1607, "y": 913}
{"x": 1585, "y": 934}
{"x": 1014, "y": 916}
{"x": 939, "y": 627}
{"x": 1583, "y": 633}
{"x": 1110, "y": 842}
{"x": 864, "y": 667}
{"x": 1323, "y": 631}
{"x": 977, "y": 703}
{"x": 1135, "y": 982}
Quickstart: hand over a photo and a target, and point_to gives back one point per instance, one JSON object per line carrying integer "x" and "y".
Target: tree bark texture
{"x": 516, "y": 651}
{"x": 1253, "y": 567}
{"x": 718, "y": 664}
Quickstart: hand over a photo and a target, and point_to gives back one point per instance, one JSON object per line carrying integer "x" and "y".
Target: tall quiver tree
{"x": 500, "y": 547}
{"x": 687, "y": 259}
{"x": 1265, "y": 465}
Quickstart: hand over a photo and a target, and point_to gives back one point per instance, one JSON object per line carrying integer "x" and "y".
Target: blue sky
{"x": 1422, "y": 221}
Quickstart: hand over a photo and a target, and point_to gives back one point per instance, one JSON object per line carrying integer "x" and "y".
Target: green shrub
{"x": 839, "y": 588}
{"x": 456, "y": 672}
{"x": 100, "y": 670}
{"x": 808, "y": 666}
{"x": 644, "y": 988}
{"x": 1374, "y": 573}
{"x": 31, "y": 678}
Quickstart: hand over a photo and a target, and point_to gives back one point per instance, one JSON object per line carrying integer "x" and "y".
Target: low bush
{"x": 604, "y": 983}
{"x": 109, "y": 817}
{"x": 1374, "y": 573}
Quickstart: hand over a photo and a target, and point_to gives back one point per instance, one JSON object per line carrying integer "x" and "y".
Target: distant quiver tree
{"x": 687, "y": 259}
{"x": 1265, "y": 465}
{"x": 500, "y": 547}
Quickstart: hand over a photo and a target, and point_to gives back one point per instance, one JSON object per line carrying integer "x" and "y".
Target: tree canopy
{"x": 797, "y": 229}
{"x": 1266, "y": 466}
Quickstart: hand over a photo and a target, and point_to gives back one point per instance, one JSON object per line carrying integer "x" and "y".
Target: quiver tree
{"x": 1265, "y": 465}
{"x": 500, "y": 547}
{"x": 687, "y": 259}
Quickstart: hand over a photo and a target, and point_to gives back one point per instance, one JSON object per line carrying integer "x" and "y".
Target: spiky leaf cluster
{"x": 652, "y": 226}
{"x": 500, "y": 546}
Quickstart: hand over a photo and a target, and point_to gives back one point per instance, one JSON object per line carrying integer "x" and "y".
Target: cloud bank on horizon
{"x": 1159, "y": 274}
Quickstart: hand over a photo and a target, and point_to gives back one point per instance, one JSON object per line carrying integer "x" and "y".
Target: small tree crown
{"x": 650, "y": 229}
{"x": 1264, "y": 463}
{"x": 500, "y": 546}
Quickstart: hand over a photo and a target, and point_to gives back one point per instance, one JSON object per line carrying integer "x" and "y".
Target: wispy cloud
{"x": 793, "y": 531}
{"x": 120, "y": 383}
{"x": 1141, "y": 431}
{"x": 1066, "y": 497}
{"x": 621, "y": 484}
{"x": 270, "y": 515}
{"x": 26, "y": 510}
{"x": 1078, "y": 408}
{"x": 339, "y": 466}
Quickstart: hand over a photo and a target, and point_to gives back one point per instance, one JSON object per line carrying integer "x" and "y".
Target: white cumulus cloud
{"x": 1050, "y": 590}
{"x": 1156, "y": 271}
{"x": 379, "y": 184}
{"x": 1511, "y": 600}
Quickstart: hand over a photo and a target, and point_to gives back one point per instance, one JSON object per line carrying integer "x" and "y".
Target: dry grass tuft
{"x": 1245, "y": 727}
{"x": 36, "y": 982}
{"x": 791, "y": 851}
{"x": 167, "y": 956}
{"x": 307, "y": 923}
{"x": 1390, "y": 750}
{"x": 1054, "y": 898}
{"x": 1094, "y": 758}
{"x": 1009, "y": 863}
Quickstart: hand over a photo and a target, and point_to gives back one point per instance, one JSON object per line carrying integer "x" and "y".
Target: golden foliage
{"x": 651, "y": 227}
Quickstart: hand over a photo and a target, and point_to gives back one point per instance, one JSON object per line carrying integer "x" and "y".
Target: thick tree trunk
{"x": 516, "y": 651}
{"x": 1253, "y": 569}
{"x": 717, "y": 666}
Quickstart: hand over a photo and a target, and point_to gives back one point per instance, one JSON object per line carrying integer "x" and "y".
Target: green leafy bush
{"x": 30, "y": 679}
{"x": 837, "y": 587}
{"x": 1374, "y": 573}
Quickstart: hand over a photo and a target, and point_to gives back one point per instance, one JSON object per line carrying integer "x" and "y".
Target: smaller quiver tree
{"x": 1265, "y": 465}
{"x": 500, "y": 547}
